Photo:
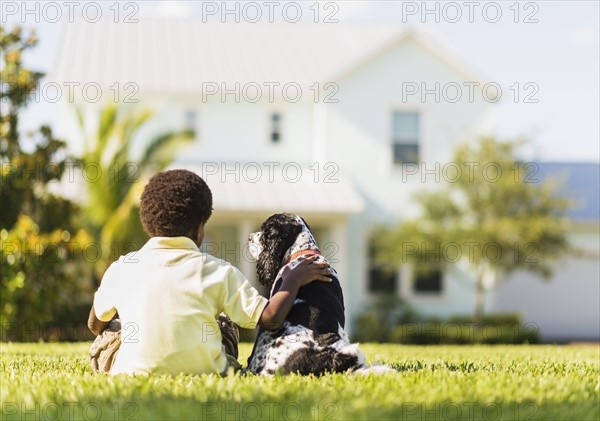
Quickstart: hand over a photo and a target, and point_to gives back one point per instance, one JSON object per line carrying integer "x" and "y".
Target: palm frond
{"x": 161, "y": 150}
{"x": 108, "y": 122}
{"x": 133, "y": 122}
{"x": 110, "y": 210}
{"x": 124, "y": 135}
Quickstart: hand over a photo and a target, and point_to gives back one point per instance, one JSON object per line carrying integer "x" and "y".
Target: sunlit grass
{"x": 53, "y": 381}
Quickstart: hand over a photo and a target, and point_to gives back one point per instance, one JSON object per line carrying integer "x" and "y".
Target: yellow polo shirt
{"x": 168, "y": 295}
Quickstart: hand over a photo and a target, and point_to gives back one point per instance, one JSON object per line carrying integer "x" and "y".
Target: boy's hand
{"x": 307, "y": 271}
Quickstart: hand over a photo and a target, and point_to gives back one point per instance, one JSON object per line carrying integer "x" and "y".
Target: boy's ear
{"x": 197, "y": 234}
{"x": 192, "y": 234}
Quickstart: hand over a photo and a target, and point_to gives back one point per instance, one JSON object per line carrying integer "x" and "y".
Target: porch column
{"x": 340, "y": 262}
{"x": 246, "y": 265}
{"x": 319, "y": 132}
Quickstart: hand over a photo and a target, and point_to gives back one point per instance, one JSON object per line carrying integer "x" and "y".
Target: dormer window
{"x": 275, "y": 128}
{"x": 190, "y": 120}
{"x": 406, "y": 136}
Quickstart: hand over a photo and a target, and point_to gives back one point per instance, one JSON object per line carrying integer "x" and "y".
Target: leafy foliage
{"x": 492, "y": 213}
{"x": 111, "y": 210}
{"x": 37, "y": 265}
{"x": 375, "y": 323}
{"x": 40, "y": 273}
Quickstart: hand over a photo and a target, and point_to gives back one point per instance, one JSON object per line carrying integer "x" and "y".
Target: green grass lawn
{"x": 53, "y": 381}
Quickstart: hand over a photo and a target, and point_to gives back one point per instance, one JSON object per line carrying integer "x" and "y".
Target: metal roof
{"x": 179, "y": 55}
{"x": 581, "y": 183}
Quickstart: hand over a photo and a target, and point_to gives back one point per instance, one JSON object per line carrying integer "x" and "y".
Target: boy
{"x": 169, "y": 294}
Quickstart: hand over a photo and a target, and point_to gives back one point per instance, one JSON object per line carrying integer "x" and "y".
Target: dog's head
{"x": 280, "y": 237}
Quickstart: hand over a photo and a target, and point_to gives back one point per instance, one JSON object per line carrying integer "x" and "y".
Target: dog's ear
{"x": 306, "y": 224}
{"x": 278, "y": 234}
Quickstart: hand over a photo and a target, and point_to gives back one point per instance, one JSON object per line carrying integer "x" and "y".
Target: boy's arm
{"x": 96, "y": 325}
{"x": 103, "y": 304}
{"x": 281, "y": 303}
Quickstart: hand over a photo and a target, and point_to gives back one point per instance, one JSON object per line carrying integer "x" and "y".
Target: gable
{"x": 419, "y": 51}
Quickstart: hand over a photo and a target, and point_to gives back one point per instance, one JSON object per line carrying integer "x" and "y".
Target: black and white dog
{"x": 312, "y": 339}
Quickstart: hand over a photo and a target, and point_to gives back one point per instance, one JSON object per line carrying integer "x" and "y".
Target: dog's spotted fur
{"x": 312, "y": 340}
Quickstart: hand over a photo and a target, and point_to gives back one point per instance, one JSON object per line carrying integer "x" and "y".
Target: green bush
{"x": 494, "y": 329}
{"x": 370, "y": 327}
{"x": 403, "y": 325}
{"x": 43, "y": 274}
{"x": 374, "y": 324}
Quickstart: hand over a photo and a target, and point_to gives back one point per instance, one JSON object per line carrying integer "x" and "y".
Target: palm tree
{"x": 114, "y": 180}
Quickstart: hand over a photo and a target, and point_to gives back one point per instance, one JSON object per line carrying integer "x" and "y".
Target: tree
{"x": 114, "y": 180}
{"x": 491, "y": 212}
{"x": 40, "y": 263}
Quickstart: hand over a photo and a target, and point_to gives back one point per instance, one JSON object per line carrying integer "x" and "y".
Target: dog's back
{"x": 320, "y": 307}
{"x": 312, "y": 339}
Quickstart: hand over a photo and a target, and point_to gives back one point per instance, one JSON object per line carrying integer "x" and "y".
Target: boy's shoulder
{"x": 211, "y": 260}
{"x": 131, "y": 257}
{"x": 149, "y": 253}
{"x": 220, "y": 267}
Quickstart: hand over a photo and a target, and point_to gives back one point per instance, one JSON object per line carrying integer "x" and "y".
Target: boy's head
{"x": 175, "y": 203}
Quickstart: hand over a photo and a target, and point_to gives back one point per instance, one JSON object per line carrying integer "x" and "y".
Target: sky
{"x": 546, "y": 51}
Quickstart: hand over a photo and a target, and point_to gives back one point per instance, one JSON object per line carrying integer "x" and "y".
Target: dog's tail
{"x": 360, "y": 366}
{"x": 374, "y": 369}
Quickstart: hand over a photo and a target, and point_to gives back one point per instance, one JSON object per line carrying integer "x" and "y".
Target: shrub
{"x": 42, "y": 274}
{"x": 370, "y": 327}
{"x": 495, "y": 329}
{"x": 374, "y": 324}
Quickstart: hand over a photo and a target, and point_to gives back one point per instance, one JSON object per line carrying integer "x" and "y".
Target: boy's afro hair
{"x": 174, "y": 203}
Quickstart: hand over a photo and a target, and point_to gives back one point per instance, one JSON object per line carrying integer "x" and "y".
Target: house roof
{"x": 581, "y": 183}
{"x": 179, "y": 55}
{"x": 294, "y": 193}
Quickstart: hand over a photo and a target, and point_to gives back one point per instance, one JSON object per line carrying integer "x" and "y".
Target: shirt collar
{"x": 170, "y": 243}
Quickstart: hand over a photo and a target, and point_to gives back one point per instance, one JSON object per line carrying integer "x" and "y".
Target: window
{"x": 190, "y": 120}
{"x": 430, "y": 283}
{"x": 406, "y": 131}
{"x": 382, "y": 281}
{"x": 275, "y": 127}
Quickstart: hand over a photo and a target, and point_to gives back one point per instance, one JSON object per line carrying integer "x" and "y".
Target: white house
{"x": 323, "y": 120}
{"x": 567, "y": 306}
